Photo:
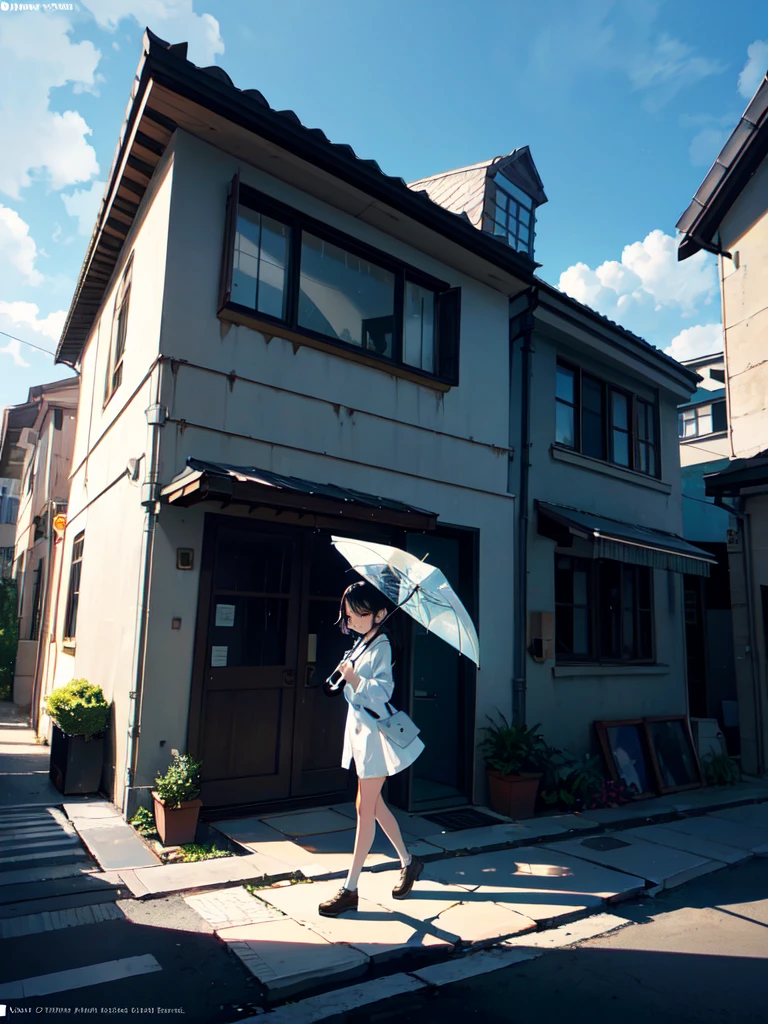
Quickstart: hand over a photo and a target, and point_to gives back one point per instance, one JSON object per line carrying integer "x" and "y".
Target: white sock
{"x": 405, "y": 863}
{"x": 351, "y": 882}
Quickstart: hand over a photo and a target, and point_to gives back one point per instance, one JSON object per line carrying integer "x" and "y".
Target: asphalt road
{"x": 693, "y": 955}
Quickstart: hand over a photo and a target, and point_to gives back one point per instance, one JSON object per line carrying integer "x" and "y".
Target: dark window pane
{"x": 620, "y": 408}
{"x": 628, "y": 635}
{"x": 419, "y": 327}
{"x": 620, "y": 448}
{"x": 644, "y": 587}
{"x": 645, "y": 635}
{"x": 346, "y": 297}
{"x": 592, "y": 418}
{"x": 260, "y": 261}
{"x": 580, "y": 631}
{"x": 563, "y": 580}
{"x": 564, "y": 425}
{"x": 258, "y": 633}
{"x": 609, "y": 608}
{"x": 719, "y": 420}
{"x": 564, "y": 387}
{"x": 252, "y": 566}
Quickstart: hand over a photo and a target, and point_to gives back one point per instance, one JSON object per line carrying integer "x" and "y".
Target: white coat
{"x": 373, "y": 754}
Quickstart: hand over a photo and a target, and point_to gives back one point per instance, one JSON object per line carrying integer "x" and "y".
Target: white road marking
{"x": 49, "y": 921}
{"x": 80, "y": 977}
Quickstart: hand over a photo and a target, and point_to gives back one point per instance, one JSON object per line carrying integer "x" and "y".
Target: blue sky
{"x": 624, "y": 105}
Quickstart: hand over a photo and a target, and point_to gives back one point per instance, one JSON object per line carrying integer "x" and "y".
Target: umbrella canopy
{"x": 418, "y": 588}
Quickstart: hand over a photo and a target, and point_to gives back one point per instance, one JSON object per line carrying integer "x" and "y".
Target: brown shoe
{"x": 345, "y": 899}
{"x": 408, "y": 876}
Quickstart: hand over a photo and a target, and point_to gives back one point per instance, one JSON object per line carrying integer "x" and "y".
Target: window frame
{"x": 595, "y": 611}
{"x": 698, "y": 414}
{"x": 118, "y": 333}
{"x": 634, "y": 404}
{"x": 73, "y": 589}
{"x": 505, "y": 186}
{"x": 447, "y": 302}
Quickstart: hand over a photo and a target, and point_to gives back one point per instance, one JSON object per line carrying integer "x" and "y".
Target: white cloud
{"x": 647, "y": 279}
{"x": 692, "y": 342}
{"x": 25, "y": 314}
{"x": 706, "y": 145}
{"x": 17, "y": 247}
{"x": 13, "y": 349}
{"x": 84, "y": 204}
{"x": 755, "y": 69}
{"x": 667, "y": 66}
{"x": 173, "y": 20}
{"x": 36, "y": 56}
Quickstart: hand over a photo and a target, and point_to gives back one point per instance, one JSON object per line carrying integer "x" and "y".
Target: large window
{"x": 603, "y": 611}
{"x": 513, "y": 215}
{"x": 605, "y": 422}
{"x": 73, "y": 598}
{"x": 283, "y": 268}
{"x": 37, "y": 602}
{"x": 702, "y": 419}
{"x": 119, "y": 333}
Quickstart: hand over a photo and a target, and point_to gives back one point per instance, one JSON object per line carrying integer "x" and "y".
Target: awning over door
{"x": 624, "y": 542}
{"x": 247, "y": 485}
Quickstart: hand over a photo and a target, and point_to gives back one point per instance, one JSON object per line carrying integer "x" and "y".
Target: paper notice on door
{"x": 225, "y": 615}
{"x": 218, "y": 657}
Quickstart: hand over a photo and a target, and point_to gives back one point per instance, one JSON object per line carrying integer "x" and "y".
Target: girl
{"x": 368, "y": 687}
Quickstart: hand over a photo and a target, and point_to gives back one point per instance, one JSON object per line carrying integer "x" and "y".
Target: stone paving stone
{"x": 494, "y": 835}
{"x": 691, "y": 844}
{"x": 117, "y": 846}
{"x": 471, "y": 966}
{"x": 660, "y": 864}
{"x": 537, "y": 882}
{"x": 425, "y": 902}
{"x": 721, "y": 830}
{"x": 568, "y": 934}
{"x": 635, "y": 810}
{"x": 308, "y": 823}
{"x": 751, "y": 815}
{"x": 250, "y": 831}
{"x": 372, "y": 929}
{"x": 342, "y": 1000}
{"x": 286, "y": 957}
{"x": 227, "y": 907}
{"x": 170, "y": 878}
{"x": 484, "y": 922}
{"x": 92, "y": 810}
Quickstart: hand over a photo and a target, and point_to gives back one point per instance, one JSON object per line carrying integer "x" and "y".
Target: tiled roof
{"x": 460, "y": 191}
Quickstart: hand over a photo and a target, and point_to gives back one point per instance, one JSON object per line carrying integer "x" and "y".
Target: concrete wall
{"x": 745, "y": 315}
{"x": 324, "y": 417}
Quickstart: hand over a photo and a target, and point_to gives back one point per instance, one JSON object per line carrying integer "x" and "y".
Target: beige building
{"x": 729, "y": 216}
{"x": 278, "y": 343}
{"x": 36, "y": 451}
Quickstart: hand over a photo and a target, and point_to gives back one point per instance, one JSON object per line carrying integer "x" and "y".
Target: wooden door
{"x": 247, "y": 640}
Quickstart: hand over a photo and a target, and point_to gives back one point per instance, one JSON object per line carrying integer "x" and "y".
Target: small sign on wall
{"x": 219, "y": 657}
{"x": 225, "y": 615}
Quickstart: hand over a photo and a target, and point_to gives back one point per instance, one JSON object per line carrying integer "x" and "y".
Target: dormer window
{"x": 512, "y": 214}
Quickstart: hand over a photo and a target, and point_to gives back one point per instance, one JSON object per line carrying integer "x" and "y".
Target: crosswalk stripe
{"x": 61, "y": 852}
{"x": 49, "y": 921}
{"x": 80, "y": 977}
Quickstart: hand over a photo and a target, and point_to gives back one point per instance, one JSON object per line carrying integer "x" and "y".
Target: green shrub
{"x": 514, "y": 749}
{"x": 8, "y": 636}
{"x": 181, "y": 782}
{"x": 144, "y": 822}
{"x": 202, "y": 851}
{"x": 79, "y": 708}
{"x": 720, "y": 770}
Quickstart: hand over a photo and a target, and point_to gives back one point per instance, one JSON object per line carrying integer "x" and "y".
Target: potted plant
{"x": 515, "y": 758}
{"x": 80, "y": 716}
{"x": 176, "y": 804}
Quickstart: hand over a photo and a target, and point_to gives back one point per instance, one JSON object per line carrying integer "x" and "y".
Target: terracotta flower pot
{"x": 513, "y": 795}
{"x": 176, "y": 825}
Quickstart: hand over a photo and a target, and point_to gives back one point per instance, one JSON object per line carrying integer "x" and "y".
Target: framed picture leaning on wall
{"x": 625, "y": 749}
{"x": 673, "y": 754}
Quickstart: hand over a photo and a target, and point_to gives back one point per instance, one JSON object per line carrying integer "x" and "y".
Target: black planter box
{"x": 75, "y": 764}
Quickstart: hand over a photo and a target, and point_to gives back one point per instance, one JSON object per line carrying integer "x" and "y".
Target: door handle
{"x": 308, "y": 676}
{"x": 288, "y": 678}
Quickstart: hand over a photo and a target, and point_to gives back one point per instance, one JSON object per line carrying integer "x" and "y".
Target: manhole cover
{"x": 457, "y": 821}
{"x": 604, "y": 843}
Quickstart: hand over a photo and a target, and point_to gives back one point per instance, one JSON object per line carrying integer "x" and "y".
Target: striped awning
{"x": 627, "y": 542}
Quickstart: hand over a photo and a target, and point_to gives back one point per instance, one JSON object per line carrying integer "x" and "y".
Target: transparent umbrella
{"x": 418, "y": 588}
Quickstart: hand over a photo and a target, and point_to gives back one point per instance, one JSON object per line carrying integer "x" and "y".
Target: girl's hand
{"x": 349, "y": 675}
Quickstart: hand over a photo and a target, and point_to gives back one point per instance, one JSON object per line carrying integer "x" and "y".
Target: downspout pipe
{"x": 156, "y": 417}
{"x": 44, "y": 634}
{"x": 746, "y": 551}
{"x": 522, "y": 327}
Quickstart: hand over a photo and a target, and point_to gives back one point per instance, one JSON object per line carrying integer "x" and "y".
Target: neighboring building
{"x": 9, "y": 510}
{"x": 278, "y": 343}
{"x": 729, "y": 216}
{"x": 36, "y": 451}
{"x": 600, "y": 550}
{"x": 704, "y": 449}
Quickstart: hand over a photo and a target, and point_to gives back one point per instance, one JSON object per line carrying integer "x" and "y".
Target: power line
{"x": 23, "y": 342}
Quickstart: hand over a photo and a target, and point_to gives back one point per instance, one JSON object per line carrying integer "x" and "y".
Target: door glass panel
{"x": 257, "y": 635}
{"x": 252, "y": 565}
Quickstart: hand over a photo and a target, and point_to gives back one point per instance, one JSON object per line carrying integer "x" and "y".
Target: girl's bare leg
{"x": 368, "y": 791}
{"x": 388, "y": 822}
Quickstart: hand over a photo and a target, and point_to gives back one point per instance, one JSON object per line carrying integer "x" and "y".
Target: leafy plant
{"x": 513, "y": 748}
{"x": 79, "y": 708}
{"x": 8, "y": 635}
{"x": 610, "y": 794}
{"x": 570, "y": 782}
{"x": 720, "y": 769}
{"x": 181, "y": 782}
{"x": 202, "y": 851}
{"x": 144, "y": 822}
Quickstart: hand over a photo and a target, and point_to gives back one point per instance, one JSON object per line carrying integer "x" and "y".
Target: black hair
{"x": 363, "y": 597}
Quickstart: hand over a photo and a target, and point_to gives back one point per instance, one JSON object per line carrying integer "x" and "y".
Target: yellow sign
{"x": 59, "y": 523}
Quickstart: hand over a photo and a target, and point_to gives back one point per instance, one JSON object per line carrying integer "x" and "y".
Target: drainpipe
{"x": 523, "y": 327}
{"x": 156, "y": 417}
{"x": 49, "y": 510}
{"x": 746, "y": 551}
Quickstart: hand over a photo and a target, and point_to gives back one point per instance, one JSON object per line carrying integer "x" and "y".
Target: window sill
{"x": 271, "y": 330}
{"x": 717, "y": 435}
{"x": 68, "y": 646}
{"x": 627, "y": 475}
{"x": 601, "y": 671}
